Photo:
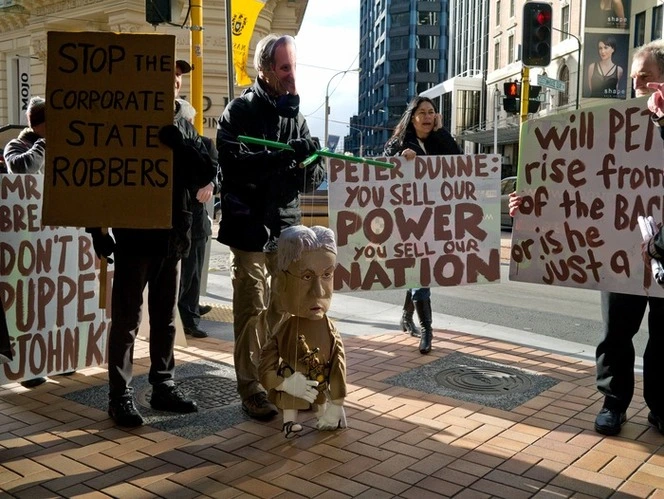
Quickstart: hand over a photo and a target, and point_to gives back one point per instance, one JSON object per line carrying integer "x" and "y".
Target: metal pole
{"x": 578, "y": 62}
{"x": 196, "y": 58}
{"x": 496, "y": 102}
{"x": 525, "y": 92}
{"x": 229, "y": 51}
{"x": 327, "y": 100}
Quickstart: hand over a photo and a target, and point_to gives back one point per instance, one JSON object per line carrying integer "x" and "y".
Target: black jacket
{"x": 260, "y": 188}
{"x": 438, "y": 142}
{"x": 192, "y": 169}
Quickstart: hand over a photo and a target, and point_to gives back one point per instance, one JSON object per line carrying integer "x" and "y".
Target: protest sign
{"x": 107, "y": 97}
{"x": 585, "y": 177}
{"x": 48, "y": 287}
{"x": 432, "y": 221}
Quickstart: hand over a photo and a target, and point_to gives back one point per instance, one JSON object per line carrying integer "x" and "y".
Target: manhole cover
{"x": 486, "y": 380}
{"x": 209, "y": 392}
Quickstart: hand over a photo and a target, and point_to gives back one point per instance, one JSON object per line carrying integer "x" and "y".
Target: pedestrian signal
{"x": 511, "y": 99}
{"x": 536, "y": 34}
{"x": 533, "y": 98}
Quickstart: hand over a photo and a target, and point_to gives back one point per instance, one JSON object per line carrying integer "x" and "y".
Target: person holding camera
{"x": 260, "y": 198}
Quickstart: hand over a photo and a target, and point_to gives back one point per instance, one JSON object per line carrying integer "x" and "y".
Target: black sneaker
{"x": 124, "y": 412}
{"x": 204, "y": 309}
{"x": 195, "y": 332}
{"x": 257, "y": 406}
{"x": 656, "y": 421}
{"x": 609, "y": 422}
{"x": 170, "y": 398}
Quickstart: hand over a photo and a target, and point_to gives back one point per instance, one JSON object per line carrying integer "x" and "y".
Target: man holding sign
{"x": 622, "y": 313}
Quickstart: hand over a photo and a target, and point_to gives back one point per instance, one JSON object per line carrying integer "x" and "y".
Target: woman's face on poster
{"x": 605, "y": 51}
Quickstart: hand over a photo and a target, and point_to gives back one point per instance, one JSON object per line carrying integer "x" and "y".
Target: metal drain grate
{"x": 209, "y": 392}
{"x": 470, "y": 378}
{"x": 485, "y": 380}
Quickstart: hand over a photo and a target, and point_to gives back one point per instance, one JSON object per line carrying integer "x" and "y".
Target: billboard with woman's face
{"x": 606, "y": 70}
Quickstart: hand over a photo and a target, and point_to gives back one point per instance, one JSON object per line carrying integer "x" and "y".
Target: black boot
{"x": 407, "y": 324}
{"x": 423, "y": 308}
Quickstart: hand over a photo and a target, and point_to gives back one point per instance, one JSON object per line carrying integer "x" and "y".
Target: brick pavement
{"x": 400, "y": 442}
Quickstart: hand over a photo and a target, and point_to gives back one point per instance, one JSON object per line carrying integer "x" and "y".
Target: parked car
{"x": 507, "y": 186}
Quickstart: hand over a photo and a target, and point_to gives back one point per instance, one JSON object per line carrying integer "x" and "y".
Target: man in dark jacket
{"x": 26, "y": 154}
{"x": 259, "y": 198}
{"x": 152, "y": 257}
{"x": 201, "y": 228}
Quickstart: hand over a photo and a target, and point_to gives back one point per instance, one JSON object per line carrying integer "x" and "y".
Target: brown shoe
{"x": 257, "y": 406}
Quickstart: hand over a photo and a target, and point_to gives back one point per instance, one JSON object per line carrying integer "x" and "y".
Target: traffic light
{"x": 533, "y": 99}
{"x": 512, "y": 90}
{"x": 536, "y": 34}
{"x": 159, "y": 11}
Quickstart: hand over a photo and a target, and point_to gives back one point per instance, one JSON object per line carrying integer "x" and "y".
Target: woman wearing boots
{"x": 420, "y": 132}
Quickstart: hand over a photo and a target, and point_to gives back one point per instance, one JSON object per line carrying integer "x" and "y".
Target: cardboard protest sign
{"x": 48, "y": 287}
{"x": 432, "y": 221}
{"x": 585, "y": 177}
{"x": 107, "y": 96}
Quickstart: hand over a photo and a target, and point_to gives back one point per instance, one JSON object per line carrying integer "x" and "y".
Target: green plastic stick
{"x": 323, "y": 152}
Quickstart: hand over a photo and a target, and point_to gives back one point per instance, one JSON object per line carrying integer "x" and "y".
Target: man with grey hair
{"x": 26, "y": 154}
{"x": 622, "y": 313}
{"x": 259, "y": 198}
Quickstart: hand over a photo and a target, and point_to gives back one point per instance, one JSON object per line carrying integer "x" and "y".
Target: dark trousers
{"x": 622, "y": 315}
{"x": 190, "y": 284}
{"x": 420, "y": 294}
{"x": 132, "y": 273}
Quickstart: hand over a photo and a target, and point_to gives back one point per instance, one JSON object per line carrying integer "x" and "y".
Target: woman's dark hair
{"x": 406, "y": 121}
{"x": 609, "y": 41}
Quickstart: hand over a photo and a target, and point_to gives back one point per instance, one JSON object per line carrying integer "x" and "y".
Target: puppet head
{"x": 306, "y": 259}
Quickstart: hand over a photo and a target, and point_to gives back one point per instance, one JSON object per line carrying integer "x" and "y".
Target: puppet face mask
{"x": 308, "y": 284}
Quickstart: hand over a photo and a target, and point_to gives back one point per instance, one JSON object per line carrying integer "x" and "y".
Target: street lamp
{"x": 359, "y": 130}
{"x": 327, "y": 99}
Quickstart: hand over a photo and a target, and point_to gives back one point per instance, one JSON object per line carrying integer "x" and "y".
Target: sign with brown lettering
{"x": 48, "y": 288}
{"x": 432, "y": 221}
{"x": 585, "y": 177}
{"x": 107, "y": 97}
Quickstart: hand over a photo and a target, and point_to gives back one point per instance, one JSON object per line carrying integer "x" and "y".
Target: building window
{"x": 564, "y": 22}
{"x": 496, "y": 55}
{"x": 510, "y": 49}
{"x": 657, "y": 13}
{"x": 640, "y": 29}
{"x": 497, "y": 12}
{"x": 563, "y": 75}
{"x": 511, "y": 8}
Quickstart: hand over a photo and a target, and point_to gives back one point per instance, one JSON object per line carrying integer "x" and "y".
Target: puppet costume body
{"x": 284, "y": 353}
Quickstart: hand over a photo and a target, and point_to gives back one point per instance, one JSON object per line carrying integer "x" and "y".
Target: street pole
{"x": 327, "y": 100}
{"x": 359, "y": 130}
{"x": 496, "y": 103}
{"x": 578, "y": 62}
{"x": 196, "y": 61}
{"x": 229, "y": 51}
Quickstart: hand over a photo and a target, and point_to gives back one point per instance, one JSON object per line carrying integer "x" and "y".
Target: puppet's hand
{"x": 333, "y": 418}
{"x": 300, "y": 387}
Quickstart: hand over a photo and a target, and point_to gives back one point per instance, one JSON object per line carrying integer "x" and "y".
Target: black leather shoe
{"x": 656, "y": 421}
{"x": 124, "y": 412}
{"x": 31, "y": 383}
{"x": 204, "y": 309}
{"x": 170, "y": 398}
{"x": 609, "y": 422}
{"x": 195, "y": 332}
{"x": 257, "y": 406}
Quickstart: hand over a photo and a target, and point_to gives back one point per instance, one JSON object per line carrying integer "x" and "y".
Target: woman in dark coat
{"x": 420, "y": 132}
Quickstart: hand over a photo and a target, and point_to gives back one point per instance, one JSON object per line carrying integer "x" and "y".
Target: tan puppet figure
{"x": 303, "y": 362}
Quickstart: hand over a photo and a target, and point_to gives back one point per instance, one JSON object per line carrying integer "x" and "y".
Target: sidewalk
{"x": 489, "y": 413}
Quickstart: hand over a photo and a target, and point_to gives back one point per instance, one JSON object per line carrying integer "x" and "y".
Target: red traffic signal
{"x": 536, "y": 34}
{"x": 512, "y": 89}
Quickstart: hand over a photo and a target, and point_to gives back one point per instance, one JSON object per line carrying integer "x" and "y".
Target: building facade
{"x": 403, "y": 52}
{"x": 24, "y": 24}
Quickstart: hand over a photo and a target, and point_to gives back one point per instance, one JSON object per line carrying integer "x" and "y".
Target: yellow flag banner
{"x": 244, "y": 16}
